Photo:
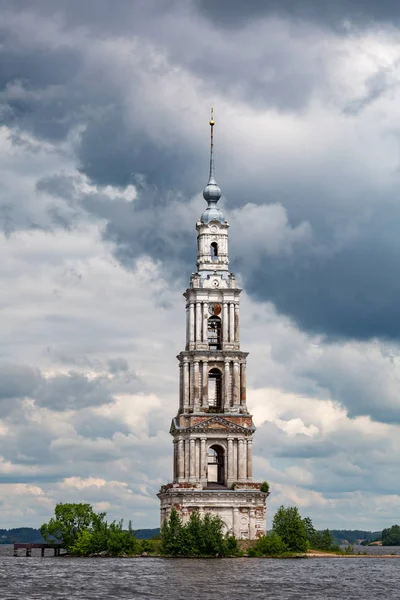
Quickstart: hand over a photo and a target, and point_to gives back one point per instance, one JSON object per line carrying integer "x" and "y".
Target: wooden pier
{"x": 28, "y": 548}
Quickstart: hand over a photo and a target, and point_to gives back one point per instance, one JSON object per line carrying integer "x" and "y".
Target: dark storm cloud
{"x": 72, "y": 392}
{"x": 18, "y": 381}
{"x": 90, "y": 426}
{"x": 351, "y": 292}
{"x": 63, "y": 392}
{"x": 233, "y": 13}
{"x": 113, "y": 152}
{"x": 98, "y": 15}
{"x": 133, "y": 227}
{"x": 118, "y": 365}
{"x": 34, "y": 84}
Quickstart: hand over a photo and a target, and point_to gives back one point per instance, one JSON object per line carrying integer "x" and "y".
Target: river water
{"x": 46, "y": 578}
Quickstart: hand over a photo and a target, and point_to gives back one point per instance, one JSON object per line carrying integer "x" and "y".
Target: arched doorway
{"x": 215, "y": 465}
{"x": 215, "y": 389}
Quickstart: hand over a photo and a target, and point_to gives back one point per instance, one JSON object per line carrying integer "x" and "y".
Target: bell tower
{"x": 213, "y": 430}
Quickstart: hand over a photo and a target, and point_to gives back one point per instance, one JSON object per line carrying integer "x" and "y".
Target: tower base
{"x": 243, "y": 511}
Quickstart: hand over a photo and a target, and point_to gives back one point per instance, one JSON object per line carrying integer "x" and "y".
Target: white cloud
{"x": 327, "y": 411}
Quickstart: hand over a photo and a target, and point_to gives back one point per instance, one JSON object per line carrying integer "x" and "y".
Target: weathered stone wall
{"x": 243, "y": 512}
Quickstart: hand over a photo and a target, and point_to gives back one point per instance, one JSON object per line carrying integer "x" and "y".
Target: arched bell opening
{"x": 214, "y": 251}
{"x": 214, "y": 333}
{"x": 215, "y": 389}
{"x": 216, "y": 465}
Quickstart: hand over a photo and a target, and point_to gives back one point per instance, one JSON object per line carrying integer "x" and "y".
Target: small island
{"x": 81, "y": 532}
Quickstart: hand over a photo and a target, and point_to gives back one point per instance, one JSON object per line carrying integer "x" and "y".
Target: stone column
{"x": 205, "y": 322}
{"x": 187, "y": 454}
{"x": 227, "y": 400}
{"x": 191, "y": 384}
{"x": 175, "y": 460}
{"x": 191, "y": 322}
{"x": 225, "y": 323}
{"x": 187, "y": 326}
{"x": 186, "y": 384}
{"x": 181, "y": 459}
{"x": 231, "y": 322}
{"x": 192, "y": 464}
{"x": 231, "y": 472}
{"x": 198, "y": 321}
{"x": 196, "y": 397}
{"x": 243, "y": 384}
{"x": 249, "y": 459}
{"x": 237, "y": 323}
{"x": 252, "y": 524}
{"x": 236, "y": 384}
{"x": 203, "y": 460}
{"x": 181, "y": 387}
{"x": 197, "y": 459}
{"x": 242, "y": 465}
{"x": 235, "y": 460}
{"x": 204, "y": 399}
{"x": 236, "y": 523}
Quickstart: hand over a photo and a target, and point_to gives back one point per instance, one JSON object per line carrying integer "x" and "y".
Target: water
{"x": 226, "y": 579}
{"x": 376, "y": 550}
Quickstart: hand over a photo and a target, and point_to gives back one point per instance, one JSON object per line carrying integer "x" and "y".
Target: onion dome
{"x": 212, "y": 192}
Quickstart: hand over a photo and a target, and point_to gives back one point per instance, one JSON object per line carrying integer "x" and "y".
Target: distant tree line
{"x": 353, "y": 536}
{"x": 20, "y": 534}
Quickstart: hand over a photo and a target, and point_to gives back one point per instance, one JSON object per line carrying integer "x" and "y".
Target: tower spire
{"x": 212, "y": 192}
{"x": 212, "y": 172}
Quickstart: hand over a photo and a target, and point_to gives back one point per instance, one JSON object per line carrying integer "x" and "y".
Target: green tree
{"x": 120, "y": 541}
{"x": 270, "y": 544}
{"x": 171, "y": 535}
{"x": 198, "y": 537}
{"x": 83, "y": 532}
{"x": 212, "y": 536}
{"x": 68, "y": 523}
{"x": 309, "y": 527}
{"x": 391, "y": 536}
{"x": 319, "y": 540}
{"x": 83, "y": 543}
{"x": 192, "y": 535}
{"x": 290, "y": 527}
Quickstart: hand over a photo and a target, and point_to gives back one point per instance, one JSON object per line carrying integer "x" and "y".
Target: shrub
{"x": 270, "y": 544}
{"x": 199, "y": 537}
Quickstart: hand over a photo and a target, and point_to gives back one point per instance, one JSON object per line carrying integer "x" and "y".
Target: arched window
{"x": 215, "y": 465}
{"x": 215, "y": 388}
{"x": 214, "y": 251}
{"x": 214, "y": 333}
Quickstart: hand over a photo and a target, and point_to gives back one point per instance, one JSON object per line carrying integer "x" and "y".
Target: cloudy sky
{"x": 103, "y": 155}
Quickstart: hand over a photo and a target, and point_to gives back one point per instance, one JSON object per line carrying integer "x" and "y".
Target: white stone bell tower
{"x": 213, "y": 430}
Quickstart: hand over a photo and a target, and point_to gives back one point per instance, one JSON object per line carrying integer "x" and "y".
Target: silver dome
{"x": 212, "y": 213}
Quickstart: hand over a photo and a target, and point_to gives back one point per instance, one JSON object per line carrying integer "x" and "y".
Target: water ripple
{"x": 38, "y": 578}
